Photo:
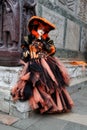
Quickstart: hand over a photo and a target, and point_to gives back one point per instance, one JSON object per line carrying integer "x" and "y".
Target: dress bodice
{"x": 37, "y": 49}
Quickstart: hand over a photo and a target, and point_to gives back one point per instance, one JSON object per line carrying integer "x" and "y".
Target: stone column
{"x": 13, "y": 26}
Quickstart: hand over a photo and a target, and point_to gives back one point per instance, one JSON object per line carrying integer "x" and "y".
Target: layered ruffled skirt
{"x": 42, "y": 82}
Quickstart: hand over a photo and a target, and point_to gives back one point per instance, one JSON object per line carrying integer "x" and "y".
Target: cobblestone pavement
{"x": 75, "y": 120}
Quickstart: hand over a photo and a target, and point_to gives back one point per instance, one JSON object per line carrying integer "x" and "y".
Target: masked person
{"x": 44, "y": 78}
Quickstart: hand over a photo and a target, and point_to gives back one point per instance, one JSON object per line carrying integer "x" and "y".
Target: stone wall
{"x": 70, "y": 18}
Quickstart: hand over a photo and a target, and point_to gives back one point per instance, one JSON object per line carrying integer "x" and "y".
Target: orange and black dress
{"x": 43, "y": 78}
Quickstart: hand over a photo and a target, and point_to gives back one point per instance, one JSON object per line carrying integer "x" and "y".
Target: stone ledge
{"x": 20, "y": 109}
{"x": 9, "y": 58}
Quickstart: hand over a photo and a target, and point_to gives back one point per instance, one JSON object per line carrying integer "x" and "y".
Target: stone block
{"x": 77, "y": 71}
{"x": 4, "y": 100}
{"x": 5, "y": 94}
{"x": 9, "y": 76}
{"x": 82, "y": 10}
{"x": 83, "y": 45}
{"x": 58, "y": 34}
{"x": 68, "y": 5}
{"x": 4, "y": 106}
{"x": 21, "y": 106}
{"x": 20, "y": 109}
{"x": 72, "y": 36}
{"x": 16, "y": 113}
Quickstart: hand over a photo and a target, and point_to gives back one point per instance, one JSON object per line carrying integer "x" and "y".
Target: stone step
{"x": 75, "y": 81}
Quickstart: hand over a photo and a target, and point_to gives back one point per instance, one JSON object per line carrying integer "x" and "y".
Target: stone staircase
{"x": 9, "y": 76}
{"x": 78, "y": 76}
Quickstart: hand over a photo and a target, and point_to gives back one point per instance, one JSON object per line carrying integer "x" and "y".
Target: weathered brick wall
{"x": 70, "y": 18}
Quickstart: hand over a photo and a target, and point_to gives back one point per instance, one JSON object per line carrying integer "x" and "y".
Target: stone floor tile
{"x": 7, "y": 119}
{"x": 74, "y": 117}
{"x": 74, "y": 126}
{"x": 5, "y": 127}
{"x": 48, "y": 123}
{"x": 25, "y": 123}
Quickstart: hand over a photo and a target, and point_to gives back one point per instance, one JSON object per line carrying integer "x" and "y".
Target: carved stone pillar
{"x": 1, "y": 22}
{"x": 14, "y": 15}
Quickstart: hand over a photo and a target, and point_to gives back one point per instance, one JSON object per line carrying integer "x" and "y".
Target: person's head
{"x": 39, "y": 26}
{"x": 37, "y": 22}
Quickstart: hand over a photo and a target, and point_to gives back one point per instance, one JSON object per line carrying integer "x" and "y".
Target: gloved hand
{"x": 25, "y": 53}
{"x": 33, "y": 51}
{"x": 47, "y": 44}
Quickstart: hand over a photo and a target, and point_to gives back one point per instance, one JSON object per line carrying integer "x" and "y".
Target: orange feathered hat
{"x": 37, "y": 22}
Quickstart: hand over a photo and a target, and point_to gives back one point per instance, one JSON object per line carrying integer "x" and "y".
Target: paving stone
{"x": 74, "y": 126}
{"x": 7, "y": 119}
{"x": 80, "y": 100}
{"x": 5, "y": 127}
{"x": 48, "y": 123}
{"x": 25, "y": 123}
{"x": 21, "y": 106}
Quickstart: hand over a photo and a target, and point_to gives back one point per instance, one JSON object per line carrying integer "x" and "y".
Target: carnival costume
{"x": 43, "y": 79}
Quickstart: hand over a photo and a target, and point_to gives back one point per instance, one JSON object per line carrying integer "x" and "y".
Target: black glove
{"x": 25, "y": 52}
{"x": 47, "y": 44}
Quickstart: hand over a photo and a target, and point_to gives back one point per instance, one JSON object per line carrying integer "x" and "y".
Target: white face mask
{"x": 40, "y": 32}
